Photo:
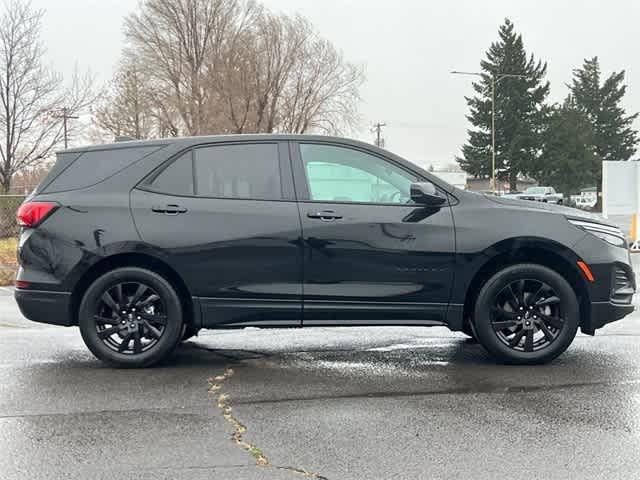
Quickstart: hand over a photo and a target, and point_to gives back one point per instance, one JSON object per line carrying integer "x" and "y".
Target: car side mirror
{"x": 425, "y": 193}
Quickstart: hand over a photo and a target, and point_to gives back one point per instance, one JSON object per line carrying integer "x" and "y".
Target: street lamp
{"x": 495, "y": 79}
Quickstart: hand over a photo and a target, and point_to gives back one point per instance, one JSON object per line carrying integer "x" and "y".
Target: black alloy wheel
{"x": 131, "y": 317}
{"x": 526, "y": 314}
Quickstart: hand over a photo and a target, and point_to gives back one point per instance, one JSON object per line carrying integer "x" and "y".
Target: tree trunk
{"x": 5, "y": 185}
{"x": 513, "y": 181}
{"x": 598, "y": 206}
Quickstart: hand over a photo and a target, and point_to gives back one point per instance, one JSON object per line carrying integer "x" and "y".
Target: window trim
{"x": 284, "y": 165}
{"x": 301, "y": 181}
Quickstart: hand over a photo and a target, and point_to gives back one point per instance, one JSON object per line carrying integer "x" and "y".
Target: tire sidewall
{"x": 568, "y": 305}
{"x": 170, "y": 337}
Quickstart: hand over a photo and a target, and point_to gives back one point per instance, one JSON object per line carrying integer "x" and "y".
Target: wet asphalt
{"x": 335, "y": 403}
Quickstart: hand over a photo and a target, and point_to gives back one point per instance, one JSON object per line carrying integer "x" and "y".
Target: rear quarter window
{"x": 95, "y": 166}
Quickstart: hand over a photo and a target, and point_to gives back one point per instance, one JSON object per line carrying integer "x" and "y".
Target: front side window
{"x": 338, "y": 174}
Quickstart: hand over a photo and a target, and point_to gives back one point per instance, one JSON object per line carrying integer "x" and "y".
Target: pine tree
{"x": 520, "y": 110}
{"x": 569, "y": 160}
{"x": 614, "y": 137}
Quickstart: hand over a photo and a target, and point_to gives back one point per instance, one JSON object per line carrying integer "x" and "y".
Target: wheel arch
{"x": 543, "y": 252}
{"x": 135, "y": 259}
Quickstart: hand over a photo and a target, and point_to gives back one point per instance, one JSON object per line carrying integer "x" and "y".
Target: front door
{"x": 371, "y": 255}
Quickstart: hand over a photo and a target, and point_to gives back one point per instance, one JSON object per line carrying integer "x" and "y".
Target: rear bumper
{"x": 603, "y": 313}
{"x": 45, "y": 307}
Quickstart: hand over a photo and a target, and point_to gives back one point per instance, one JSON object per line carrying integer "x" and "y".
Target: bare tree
{"x": 322, "y": 91}
{"x": 177, "y": 43}
{"x": 32, "y": 96}
{"x": 229, "y": 66}
{"x": 124, "y": 109}
{"x": 283, "y": 77}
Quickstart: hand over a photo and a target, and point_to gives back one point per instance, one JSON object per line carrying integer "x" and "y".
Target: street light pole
{"x": 495, "y": 79}
{"x": 493, "y": 133}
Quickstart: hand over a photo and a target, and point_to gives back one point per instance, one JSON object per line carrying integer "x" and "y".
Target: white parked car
{"x": 539, "y": 194}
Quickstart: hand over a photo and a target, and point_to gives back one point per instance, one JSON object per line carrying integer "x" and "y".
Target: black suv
{"x": 141, "y": 244}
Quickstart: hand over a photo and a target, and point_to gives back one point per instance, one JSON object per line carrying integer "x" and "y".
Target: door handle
{"x": 169, "y": 209}
{"x": 325, "y": 215}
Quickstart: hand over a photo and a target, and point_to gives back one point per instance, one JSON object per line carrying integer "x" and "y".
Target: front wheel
{"x": 131, "y": 317}
{"x": 526, "y": 314}
{"x": 189, "y": 331}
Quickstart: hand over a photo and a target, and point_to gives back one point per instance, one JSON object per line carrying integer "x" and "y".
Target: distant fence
{"x": 8, "y": 206}
{"x": 9, "y": 232}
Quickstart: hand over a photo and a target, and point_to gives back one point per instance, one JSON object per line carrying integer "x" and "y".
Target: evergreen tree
{"x": 569, "y": 160}
{"x": 614, "y": 137}
{"x": 520, "y": 111}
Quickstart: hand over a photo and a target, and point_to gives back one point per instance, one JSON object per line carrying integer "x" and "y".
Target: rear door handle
{"x": 169, "y": 209}
{"x": 325, "y": 215}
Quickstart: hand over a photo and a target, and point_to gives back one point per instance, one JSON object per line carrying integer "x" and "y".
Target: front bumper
{"x": 45, "y": 307}
{"x": 603, "y": 313}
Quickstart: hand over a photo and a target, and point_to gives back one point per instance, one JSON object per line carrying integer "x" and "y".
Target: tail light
{"x": 32, "y": 214}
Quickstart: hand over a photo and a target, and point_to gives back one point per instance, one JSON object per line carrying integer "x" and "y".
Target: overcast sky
{"x": 408, "y": 48}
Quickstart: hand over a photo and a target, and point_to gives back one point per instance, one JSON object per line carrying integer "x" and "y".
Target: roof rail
{"x": 123, "y": 138}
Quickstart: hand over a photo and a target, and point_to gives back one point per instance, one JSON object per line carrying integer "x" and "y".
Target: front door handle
{"x": 169, "y": 209}
{"x": 325, "y": 215}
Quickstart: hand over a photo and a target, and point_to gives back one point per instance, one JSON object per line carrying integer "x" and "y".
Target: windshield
{"x": 536, "y": 190}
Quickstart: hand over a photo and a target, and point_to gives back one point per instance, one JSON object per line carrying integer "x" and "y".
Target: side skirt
{"x": 239, "y": 313}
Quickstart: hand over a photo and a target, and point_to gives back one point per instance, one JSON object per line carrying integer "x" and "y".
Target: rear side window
{"x": 238, "y": 171}
{"x": 63, "y": 160}
{"x": 93, "y": 167}
{"x": 177, "y": 178}
{"x": 224, "y": 171}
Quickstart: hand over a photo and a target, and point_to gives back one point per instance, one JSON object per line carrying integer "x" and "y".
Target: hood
{"x": 550, "y": 207}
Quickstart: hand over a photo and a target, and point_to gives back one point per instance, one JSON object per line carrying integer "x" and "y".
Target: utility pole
{"x": 66, "y": 116}
{"x": 495, "y": 79}
{"x": 377, "y": 128}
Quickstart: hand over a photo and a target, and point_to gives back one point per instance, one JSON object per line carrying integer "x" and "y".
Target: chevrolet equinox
{"x": 143, "y": 243}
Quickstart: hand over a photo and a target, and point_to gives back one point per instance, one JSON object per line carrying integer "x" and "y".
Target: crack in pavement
{"x": 239, "y": 429}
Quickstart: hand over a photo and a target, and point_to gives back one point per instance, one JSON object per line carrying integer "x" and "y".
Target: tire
{"x": 467, "y": 329}
{"x": 189, "y": 332}
{"x": 131, "y": 318}
{"x": 526, "y": 314}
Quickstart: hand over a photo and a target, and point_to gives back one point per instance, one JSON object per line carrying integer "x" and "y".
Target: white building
{"x": 457, "y": 179}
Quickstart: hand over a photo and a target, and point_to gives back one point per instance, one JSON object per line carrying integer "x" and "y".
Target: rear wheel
{"x": 131, "y": 317}
{"x": 526, "y": 314}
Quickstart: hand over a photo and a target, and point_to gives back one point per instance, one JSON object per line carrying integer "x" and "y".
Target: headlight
{"x": 611, "y": 235}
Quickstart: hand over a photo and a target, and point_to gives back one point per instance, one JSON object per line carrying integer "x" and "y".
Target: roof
{"x": 187, "y": 141}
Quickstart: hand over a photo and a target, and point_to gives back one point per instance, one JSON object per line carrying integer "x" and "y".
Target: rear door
{"x": 224, "y": 217}
{"x": 371, "y": 255}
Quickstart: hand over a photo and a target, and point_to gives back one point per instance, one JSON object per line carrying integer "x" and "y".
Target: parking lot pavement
{"x": 338, "y": 403}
